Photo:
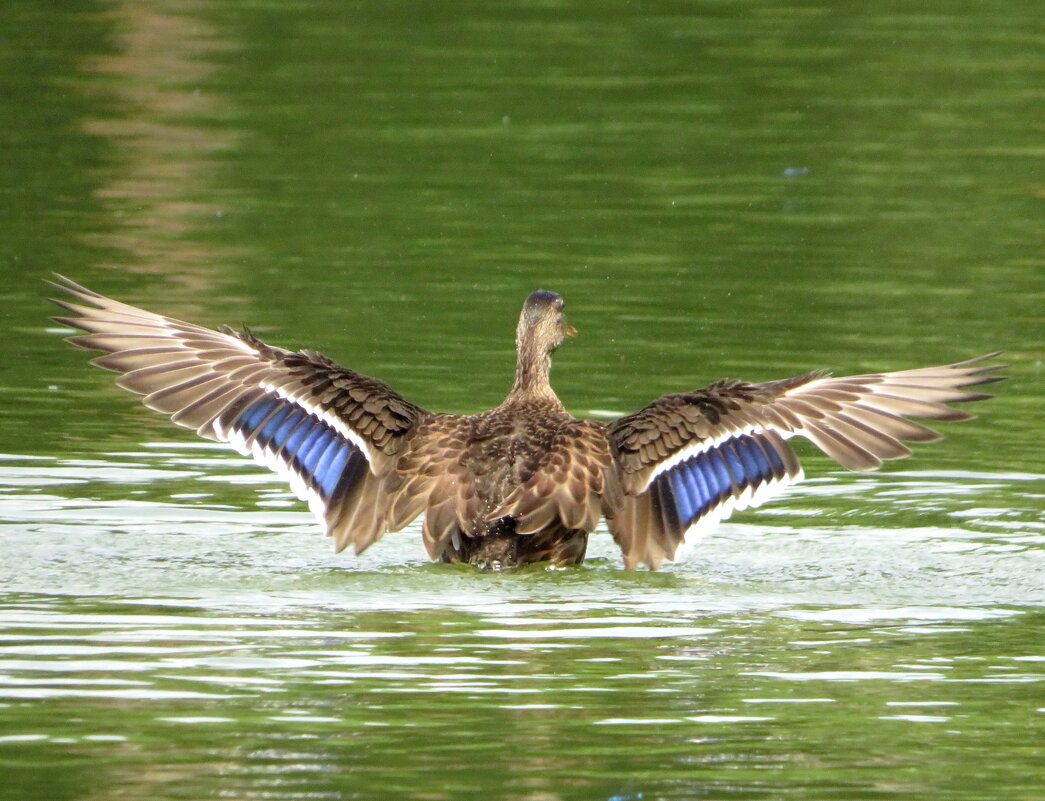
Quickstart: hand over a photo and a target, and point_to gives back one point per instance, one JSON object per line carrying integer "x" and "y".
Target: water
{"x": 751, "y": 190}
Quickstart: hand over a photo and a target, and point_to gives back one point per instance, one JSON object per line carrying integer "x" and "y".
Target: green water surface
{"x": 750, "y": 189}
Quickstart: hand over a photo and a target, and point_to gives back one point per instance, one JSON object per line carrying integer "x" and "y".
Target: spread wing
{"x": 691, "y": 459}
{"x": 334, "y": 434}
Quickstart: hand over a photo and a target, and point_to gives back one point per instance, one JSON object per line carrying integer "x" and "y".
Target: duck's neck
{"x": 532, "y": 370}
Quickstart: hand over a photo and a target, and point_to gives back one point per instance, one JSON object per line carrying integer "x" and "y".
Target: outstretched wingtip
{"x": 66, "y": 284}
{"x": 984, "y": 373}
{"x": 69, "y": 287}
{"x": 978, "y": 359}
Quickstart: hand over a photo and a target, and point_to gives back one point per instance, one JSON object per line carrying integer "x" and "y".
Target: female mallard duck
{"x": 524, "y": 482}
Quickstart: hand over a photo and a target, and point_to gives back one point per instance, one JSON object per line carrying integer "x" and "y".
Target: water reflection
{"x": 331, "y": 691}
{"x": 168, "y": 126}
{"x": 228, "y": 632}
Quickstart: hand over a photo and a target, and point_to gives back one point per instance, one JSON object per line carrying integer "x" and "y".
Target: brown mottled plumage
{"x": 524, "y": 482}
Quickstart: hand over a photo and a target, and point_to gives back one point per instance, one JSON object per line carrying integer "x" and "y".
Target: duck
{"x": 525, "y": 482}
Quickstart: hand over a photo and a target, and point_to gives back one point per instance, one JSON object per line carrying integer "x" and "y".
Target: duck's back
{"x": 506, "y": 446}
{"x": 520, "y": 483}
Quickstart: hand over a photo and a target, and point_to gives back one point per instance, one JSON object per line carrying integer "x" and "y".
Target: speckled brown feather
{"x": 566, "y": 481}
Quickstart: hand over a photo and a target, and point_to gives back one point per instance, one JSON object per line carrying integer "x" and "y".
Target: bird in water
{"x": 524, "y": 482}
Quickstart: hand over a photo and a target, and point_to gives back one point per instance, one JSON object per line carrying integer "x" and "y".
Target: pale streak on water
{"x": 174, "y": 543}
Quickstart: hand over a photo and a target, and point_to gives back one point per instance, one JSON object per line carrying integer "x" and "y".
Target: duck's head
{"x": 542, "y": 324}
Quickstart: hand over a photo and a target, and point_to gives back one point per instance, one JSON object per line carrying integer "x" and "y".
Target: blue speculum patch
{"x": 703, "y": 481}
{"x": 307, "y": 445}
